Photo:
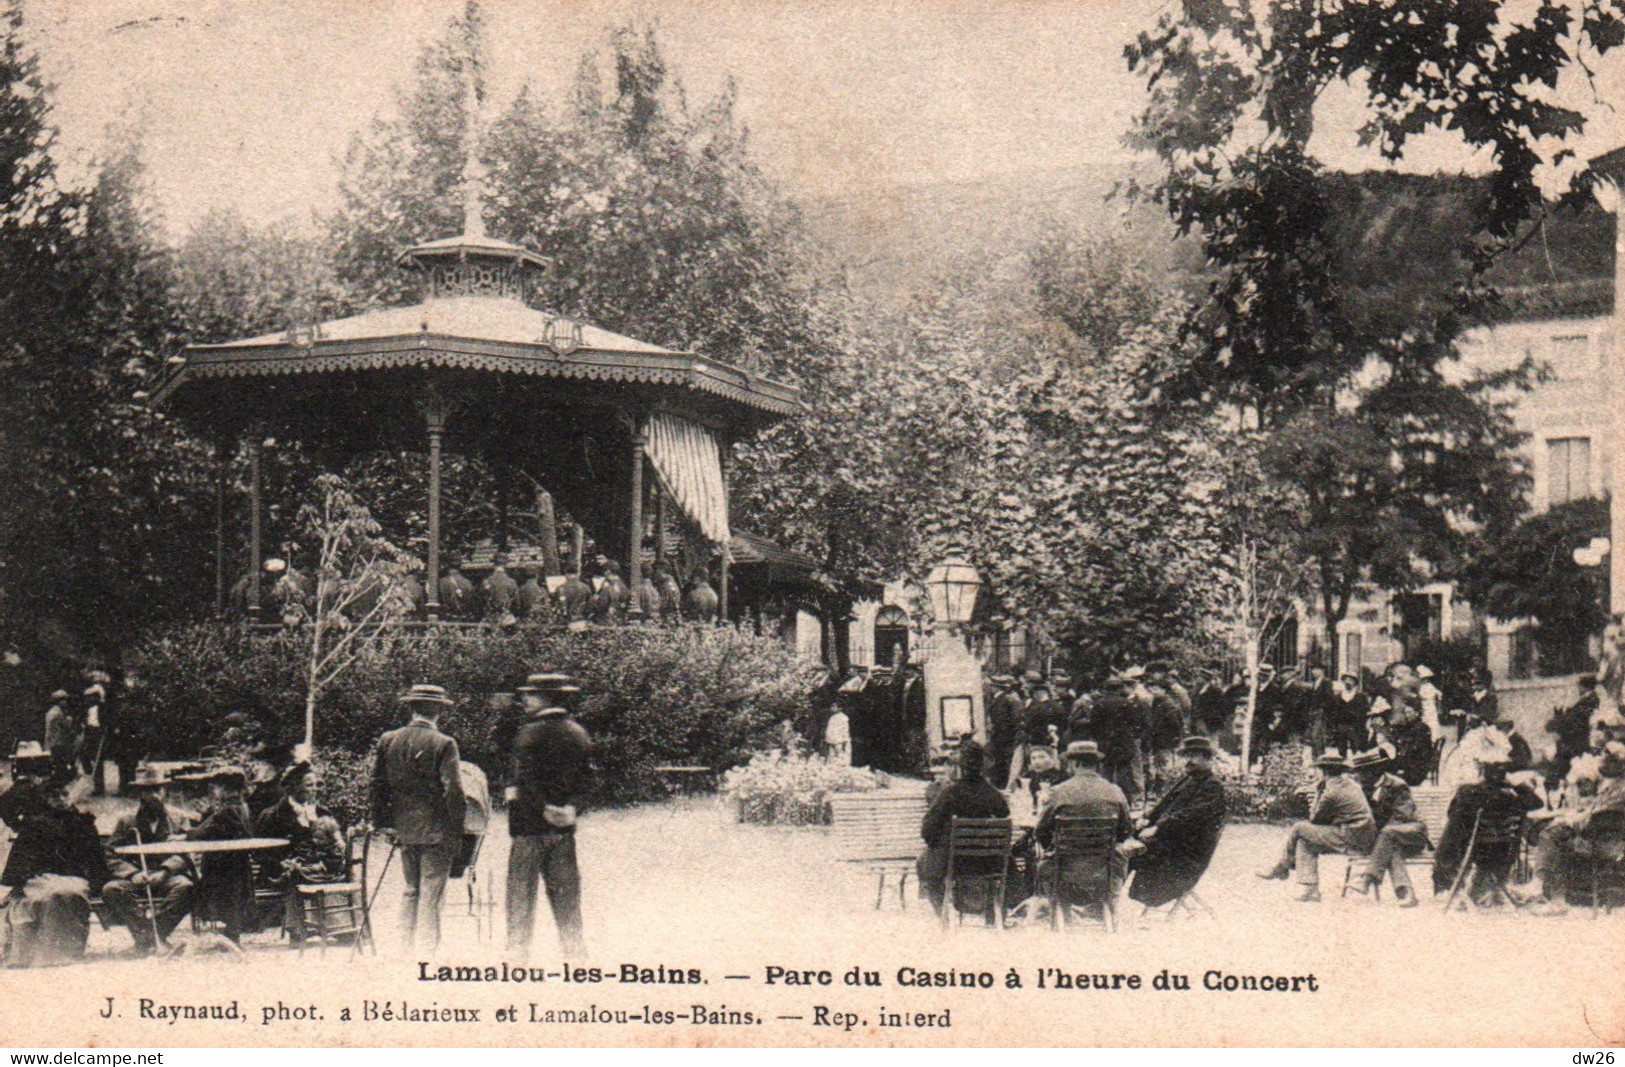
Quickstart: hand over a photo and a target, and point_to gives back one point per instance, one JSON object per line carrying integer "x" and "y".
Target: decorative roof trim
{"x": 428, "y": 349}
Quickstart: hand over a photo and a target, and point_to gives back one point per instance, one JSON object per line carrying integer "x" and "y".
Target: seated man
{"x": 1339, "y": 821}
{"x": 1555, "y": 849}
{"x": 1181, "y": 832}
{"x": 970, "y": 797}
{"x": 54, "y": 867}
{"x": 1493, "y": 796}
{"x": 1085, "y": 795}
{"x": 225, "y": 890}
{"x": 165, "y": 881}
{"x": 1400, "y": 830}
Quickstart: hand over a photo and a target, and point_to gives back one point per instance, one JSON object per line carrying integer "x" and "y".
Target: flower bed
{"x": 779, "y": 788}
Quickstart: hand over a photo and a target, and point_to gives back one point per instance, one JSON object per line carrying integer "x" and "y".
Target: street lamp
{"x": 953, "y": 677}
{"x": 952, "y": 586}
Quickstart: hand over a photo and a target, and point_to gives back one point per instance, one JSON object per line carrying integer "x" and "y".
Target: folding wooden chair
{"x": 1081, "y": 869}
{"x": 978, "y": 860}
{"x": 481, "y": 895}
{"x": 1494, "y": 836}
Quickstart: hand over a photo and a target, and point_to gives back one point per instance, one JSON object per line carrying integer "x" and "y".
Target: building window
{"x": 891, "y": 637}
{"x": 1282, "y": 647}
{"x": 1524, "y": 657}
{"x": 1421, "y": 622}
{"x": 1568, "y": 469}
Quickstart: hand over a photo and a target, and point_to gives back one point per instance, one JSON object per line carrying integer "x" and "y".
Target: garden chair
{"x": 1080, "y": 870}
{"x": 334, "y": 911}
{"x": 1601, "y": 853}
{"x": 978, "y": 868}
{"x": 1494, "y": 836}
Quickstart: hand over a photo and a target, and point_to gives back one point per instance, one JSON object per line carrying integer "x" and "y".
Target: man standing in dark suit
{"x": 417, "y": 792}
{"x": 551, "y": 776}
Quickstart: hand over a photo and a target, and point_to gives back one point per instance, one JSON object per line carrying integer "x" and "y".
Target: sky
{"x": 250, "y": 104}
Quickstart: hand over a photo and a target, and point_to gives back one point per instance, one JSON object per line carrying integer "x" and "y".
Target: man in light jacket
{"x": 1339, "y": 821}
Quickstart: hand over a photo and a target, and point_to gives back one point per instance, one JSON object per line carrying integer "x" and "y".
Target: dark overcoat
{"x": 1188, "y": 821}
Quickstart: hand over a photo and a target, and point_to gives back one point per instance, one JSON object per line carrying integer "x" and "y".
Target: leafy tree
{"x": 357, "y": 592}
{"x": 234, "y": 280}
{"x": 100, "y": 498}
{"x": 1337, "y": 328}
{"x": 659, "y": 223}
{"x": 1530, "y": 572}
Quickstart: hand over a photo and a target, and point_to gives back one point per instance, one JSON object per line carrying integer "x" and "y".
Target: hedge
{"x": 682, "y": 694}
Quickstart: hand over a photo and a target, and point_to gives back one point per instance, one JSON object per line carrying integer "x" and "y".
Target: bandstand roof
{"x": 564, "y": 400}
{"x": 482, "y": 334}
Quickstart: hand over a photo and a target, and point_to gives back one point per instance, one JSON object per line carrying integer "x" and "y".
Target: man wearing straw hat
{"x": 417, "y": 794}
{"x": 165, "y": 886}
{"x": 1401, "y": 833}
{"x": 1086, "y": 795}
{"x": 1339, "y": 821}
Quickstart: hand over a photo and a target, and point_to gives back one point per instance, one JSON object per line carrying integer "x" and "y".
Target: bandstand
{"x": 615, "y": 429}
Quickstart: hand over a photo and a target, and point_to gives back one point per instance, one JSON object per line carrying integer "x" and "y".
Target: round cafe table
{"x": 182, "y": 847}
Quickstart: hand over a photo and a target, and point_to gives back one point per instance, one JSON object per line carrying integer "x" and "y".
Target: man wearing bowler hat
{"x": 551, "y": 774}
{"x": 1339, "y": 821}
{"x": 1086, "y": 795}
{"x": 1181, "y": 832}
{"x": 417, "y": 793}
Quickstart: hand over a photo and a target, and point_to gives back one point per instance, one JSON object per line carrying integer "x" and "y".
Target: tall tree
{"x": 659, "y": 223}
{"x": 100, "y": 496}
{"x": 1338, "y": 328}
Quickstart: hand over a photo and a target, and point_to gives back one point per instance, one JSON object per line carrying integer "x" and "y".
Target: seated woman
{"x": 225, "y": 890}
{"x": 294, "y": 817}
{"x": 320, "y": 858}
{"x": 55, "y": 865}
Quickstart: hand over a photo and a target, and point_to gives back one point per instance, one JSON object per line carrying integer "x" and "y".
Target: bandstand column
{"x": 222, "y": 463}
{"x": 725, "y": 454}
{"x": 634, "y": 537}
{"x": 434, "y": 414}
{"x": 660, "y": 527}
{"x": 256, "y": 444}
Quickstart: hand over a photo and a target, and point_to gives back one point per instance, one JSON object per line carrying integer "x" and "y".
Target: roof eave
{"x": 230, "y": 360}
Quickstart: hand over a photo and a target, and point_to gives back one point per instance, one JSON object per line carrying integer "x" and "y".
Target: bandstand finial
{"x": 473, "y": 171}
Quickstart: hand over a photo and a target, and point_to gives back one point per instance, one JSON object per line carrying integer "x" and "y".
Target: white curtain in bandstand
{"x": 688, "y": 461}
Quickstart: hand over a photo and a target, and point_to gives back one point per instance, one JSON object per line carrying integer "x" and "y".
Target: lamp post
{"x": 953, "y": 677}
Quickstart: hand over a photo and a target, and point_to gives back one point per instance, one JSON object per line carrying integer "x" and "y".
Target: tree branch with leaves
{"x": 358, "y": 592}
